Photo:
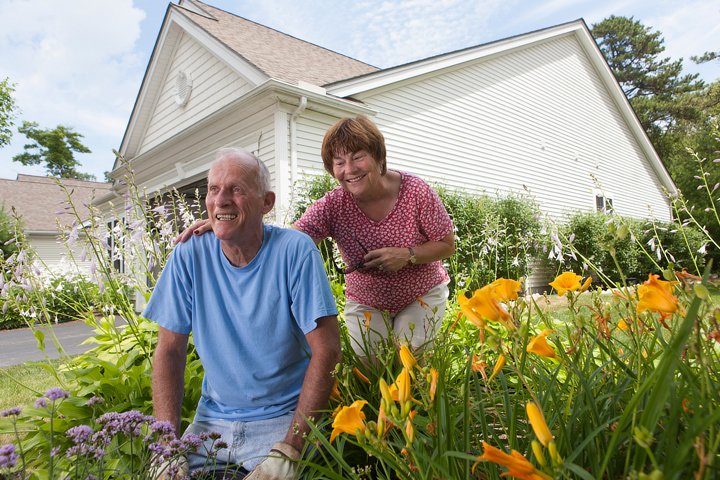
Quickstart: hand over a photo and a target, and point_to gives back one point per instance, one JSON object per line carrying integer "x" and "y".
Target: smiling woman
{"x": 392, "y": 228}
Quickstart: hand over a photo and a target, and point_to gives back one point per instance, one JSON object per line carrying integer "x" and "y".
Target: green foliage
{"x": 311, "y": 189}
{"x": 61, "y": 297}
{"x": 54, "y": 148}
{"x": 7, "y": 111}
{"x": 494, "y": 237}
{"x": 7, "y": 235}
{"x": 652, "y": 83}
{"x": 617, "y": 248}
{"x": 696, "y": 174}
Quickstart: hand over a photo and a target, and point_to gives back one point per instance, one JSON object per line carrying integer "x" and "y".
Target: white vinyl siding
{"x": 214, "y": 85}
{"x": 193, "y": 153}
{"x": 537, "y": 119}
{"x": 53, "y": 254}
{"x": 311, "y": 129}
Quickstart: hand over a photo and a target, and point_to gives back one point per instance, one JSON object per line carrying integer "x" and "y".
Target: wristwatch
{"x": 412, "y": 259}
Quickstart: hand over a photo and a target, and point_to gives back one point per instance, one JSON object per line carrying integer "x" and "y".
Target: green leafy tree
{"x": 7, "y": 111}
{"x": 652, "y": 83}
{"x": 54, "y": 148}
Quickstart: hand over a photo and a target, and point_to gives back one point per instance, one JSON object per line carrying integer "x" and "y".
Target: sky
{"x": 80, "y": 63}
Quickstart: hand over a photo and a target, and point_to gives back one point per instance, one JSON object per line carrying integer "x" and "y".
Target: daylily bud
{"x": 554, "y": 455}
{"x": 538, "y": 451}
{"x": 537, "y": 421}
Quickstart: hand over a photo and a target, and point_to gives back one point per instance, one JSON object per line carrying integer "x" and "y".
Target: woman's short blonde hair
{"x": 350, "y": 135}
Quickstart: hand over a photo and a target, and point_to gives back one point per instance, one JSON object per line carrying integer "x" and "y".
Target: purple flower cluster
{"x": 53, "y": 394}
{"x": 94, "y": 401}
{"x": 11, "y": 412}
{"x": 8, "y": 457}
{"x": 56, "y": 393}
{"x": 129, "y": 423}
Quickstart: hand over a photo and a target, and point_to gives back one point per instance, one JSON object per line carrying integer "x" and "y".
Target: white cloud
{"x": 389, "y": 33}
{"x": 73, "y": 64}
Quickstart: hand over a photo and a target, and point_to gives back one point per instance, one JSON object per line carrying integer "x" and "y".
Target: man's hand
{"x": 173, "y": 469}
{"x": 281, "y": 464}
{"x": 197, "y": 228}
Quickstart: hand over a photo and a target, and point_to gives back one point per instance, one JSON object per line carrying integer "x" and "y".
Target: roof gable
{"x": 255, "y": 52}
{"x": 278, "y": 55}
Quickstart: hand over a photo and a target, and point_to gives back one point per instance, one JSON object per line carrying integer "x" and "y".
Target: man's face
{"x": 234, "y": 203}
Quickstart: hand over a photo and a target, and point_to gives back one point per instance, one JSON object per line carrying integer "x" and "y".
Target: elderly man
{"x": 257, "y": 300}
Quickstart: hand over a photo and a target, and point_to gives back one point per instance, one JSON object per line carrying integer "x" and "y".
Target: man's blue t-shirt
{"x": 248, "y": 323}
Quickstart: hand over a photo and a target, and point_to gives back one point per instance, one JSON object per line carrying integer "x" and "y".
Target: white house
{"x": 43, "y": 208}
{"x": 539, "y": 112}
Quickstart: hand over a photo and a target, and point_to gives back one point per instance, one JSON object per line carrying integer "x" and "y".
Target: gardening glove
{"x": 175, "y": 468}
{"x": 280, "y": 464}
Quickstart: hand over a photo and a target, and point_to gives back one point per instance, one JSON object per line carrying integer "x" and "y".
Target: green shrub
{"x": 614, "y": 247}
{"x": 62, "y": 298}
{"x": 494, "y": 237}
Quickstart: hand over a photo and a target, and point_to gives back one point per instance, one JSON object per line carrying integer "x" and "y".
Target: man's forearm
{"x": 315, "y": 393}
{"x": 167, "y": 386}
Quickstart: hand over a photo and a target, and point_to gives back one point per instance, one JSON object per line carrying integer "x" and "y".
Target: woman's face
{"x": 357, "y": 172}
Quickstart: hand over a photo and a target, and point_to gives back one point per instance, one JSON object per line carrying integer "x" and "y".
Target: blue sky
{"x": 80, "y": 62}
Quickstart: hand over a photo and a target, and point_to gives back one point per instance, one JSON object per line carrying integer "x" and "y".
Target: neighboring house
{"x": 42, "y": 206}
{"x": 539, "y": 113}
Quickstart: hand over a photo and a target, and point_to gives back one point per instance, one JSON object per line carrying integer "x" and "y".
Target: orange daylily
{"x": 540, "y": 346}
{"x": 505, "y": 290}
{"x": 566, "y": 282}
{"x": 349, "y": 420}
{"x": 517, "y": 465}
{"x": 499, "y": 364}
{"x": 360, "y": 375}
{"x": 409, "y": 430}
{"x": 537, "y": 421}
{"x": 482, "y": 307}
{"x": 433, "y": 383}
{"x": 586, "y": 284}
{"x": 368, "y": 318}
{"x": 402, "y": 382}
{"x": 407, "y": 359}
{"x": 478, "y": 365}
{"x": 656, "y": 295}
{"x": 335, "y": 392}
{"x": 622, "y": 325}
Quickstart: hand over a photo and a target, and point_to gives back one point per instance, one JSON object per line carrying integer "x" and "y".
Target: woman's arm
{"x": 393, "y": 259}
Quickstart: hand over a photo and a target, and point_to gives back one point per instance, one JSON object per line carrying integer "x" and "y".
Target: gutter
{"x": 293, "y": 139}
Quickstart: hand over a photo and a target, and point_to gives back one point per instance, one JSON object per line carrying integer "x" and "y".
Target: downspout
{"x": 293, "y": 139}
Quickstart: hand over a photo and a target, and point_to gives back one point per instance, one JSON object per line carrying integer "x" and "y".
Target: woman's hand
{"x": 197, "y": 228}
{"x": 392, "y": 259}
{"x": 389, "y": 259}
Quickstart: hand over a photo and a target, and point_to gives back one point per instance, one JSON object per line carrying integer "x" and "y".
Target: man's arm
{"x": 169, "y": 376}
{"x": 324, "y": 343}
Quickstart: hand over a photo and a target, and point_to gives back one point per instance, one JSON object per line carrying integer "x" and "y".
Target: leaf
{"x": 40, "y": 337}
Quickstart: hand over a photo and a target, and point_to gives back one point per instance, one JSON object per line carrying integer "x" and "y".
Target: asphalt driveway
{"x": 19, "y": 345}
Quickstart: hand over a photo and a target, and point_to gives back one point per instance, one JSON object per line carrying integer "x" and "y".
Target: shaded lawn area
{"x": 21, "y": 385}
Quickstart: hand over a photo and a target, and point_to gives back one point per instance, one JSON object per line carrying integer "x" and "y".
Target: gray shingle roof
{"x": 278, "y": 55}
{"x": 39, "y": 199}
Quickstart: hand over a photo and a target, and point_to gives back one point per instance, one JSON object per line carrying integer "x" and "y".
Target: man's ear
{"x": 268, "y": 202}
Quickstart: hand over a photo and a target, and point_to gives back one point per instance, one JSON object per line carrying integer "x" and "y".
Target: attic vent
{"x": 183, "y": 88}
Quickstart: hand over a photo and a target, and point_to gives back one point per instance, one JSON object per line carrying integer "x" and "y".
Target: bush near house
{"x": 64, "y": 297}
{"x": 615, "y": 247}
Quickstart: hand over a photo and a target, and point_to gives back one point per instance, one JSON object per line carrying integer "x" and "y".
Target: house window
{"x": 603, "y": 204}
{"x": 114, "y": 242}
